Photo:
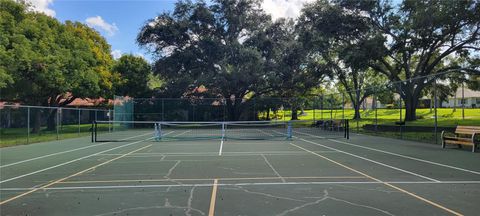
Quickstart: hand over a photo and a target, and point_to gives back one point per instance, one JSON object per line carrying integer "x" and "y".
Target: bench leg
{"x": 443, "y": 143}
{"x": 474, "y": 147}
{"x": 459, "y": 146}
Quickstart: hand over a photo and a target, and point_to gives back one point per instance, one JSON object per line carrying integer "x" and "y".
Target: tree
{"x": 290, "y": 72}
{"x": 333, "y": 33}
{"x": 135, "y": 73}
{"x": 204, "y": 45}
{"x": 415, "y": 39}
{"x": 51, "y": 63}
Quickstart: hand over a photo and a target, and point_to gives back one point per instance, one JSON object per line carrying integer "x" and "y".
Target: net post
{"x": 95, "y": 129}
{"x": 223, "y": 130}
{"x": 92, "y": 132}
{"x": 158, "y": 131}
{"x": 348, "y": 129}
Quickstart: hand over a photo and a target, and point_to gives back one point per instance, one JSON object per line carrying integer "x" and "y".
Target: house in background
{"x": 471, "y": 99}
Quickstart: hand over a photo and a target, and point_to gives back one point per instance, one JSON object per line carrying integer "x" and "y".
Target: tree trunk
{"x": 356, "y": 107}
{"x": 294, "y": 113}
{"x": 411, "y": 102}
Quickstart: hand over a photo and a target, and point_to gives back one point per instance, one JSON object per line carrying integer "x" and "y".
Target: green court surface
{"x": 307, "y": 175}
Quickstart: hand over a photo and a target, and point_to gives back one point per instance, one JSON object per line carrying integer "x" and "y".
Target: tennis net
{"x": 109, "y": 131}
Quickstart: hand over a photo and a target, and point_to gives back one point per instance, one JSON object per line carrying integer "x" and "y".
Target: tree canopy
{"x": 135, "y": 73}
{"x": 53, "y": 63}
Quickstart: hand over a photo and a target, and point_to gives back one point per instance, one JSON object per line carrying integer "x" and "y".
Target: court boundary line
{"x": 387, "y": 184}
{"x": 211, "y": 179}
{"x": 72, "y": 175}
{"x": 370, "y": 160}
{"x": 71, "y": 161}
{"x": 400, "y": 155}
{"x": 67, "y": 151}
{"x": 242, "y": 184}
{"x": 411, "y": 158}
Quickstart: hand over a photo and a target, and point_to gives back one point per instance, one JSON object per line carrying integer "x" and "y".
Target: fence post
{"x": 463, "y": 101}
{"x": 79, "y": 121}
{"x": 331, "y": 108}
{"x": 28, "y": 125}
{"x": 400, "y": 107}
{"x": 321, "y": 107}
{"x": 314, "y": 106}
{"x": 163, "y": 110}
{"x": 254, "y": 110}
{"x": 343, "y": 106}
{"x": 375, "y": 107}
{"x": 435, "y": 107}
{"x": 224, "y": 109}
{"x": 58, "y": 122}
{"x": 109, "y": 120}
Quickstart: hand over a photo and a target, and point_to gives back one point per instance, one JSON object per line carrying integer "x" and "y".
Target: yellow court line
{"x": 385, "y": 183}
{"x": 70, "y": 176}
{"x": 209, "y": 179}
{"x": 211, "y": 211}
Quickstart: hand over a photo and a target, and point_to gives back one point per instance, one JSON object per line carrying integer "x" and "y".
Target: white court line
{"x": 411, "y": 158}
{"x": 400, "y": 155}
{"x": 373, "y": 161}
{"x": 216, "y": 153}
{"x": 221, "y": 147}
{"x": 176, "y": 135}
{"x": 71, "y": 161}
{"x": 268, "y": 134}
{"x": 370, "y": 160}
{"x": 71, "y": 150}
{"x": 243, "y": 184}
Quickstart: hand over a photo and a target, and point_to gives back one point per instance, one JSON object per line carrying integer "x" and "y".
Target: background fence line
{"x": 382, "y": 112}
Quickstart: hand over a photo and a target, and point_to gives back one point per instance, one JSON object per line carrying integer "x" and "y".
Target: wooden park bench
{"x": 464, "y": 135}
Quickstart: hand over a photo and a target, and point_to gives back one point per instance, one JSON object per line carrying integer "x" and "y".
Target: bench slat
{"x": 460, "y": 142}
{"x": 464, "y": 136}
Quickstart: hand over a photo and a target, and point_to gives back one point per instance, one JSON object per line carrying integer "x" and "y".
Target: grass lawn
{"x": 20, "y": 136}
{"x": 446, "y": 116}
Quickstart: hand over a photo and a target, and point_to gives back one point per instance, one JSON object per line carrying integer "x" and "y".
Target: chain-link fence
{"x": 415, "y": 109}
{"x": 28, "y": 124}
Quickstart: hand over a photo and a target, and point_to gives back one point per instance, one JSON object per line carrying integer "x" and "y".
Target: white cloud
{"x": 116, "y": 54}
{"x": 284, "y": 8}
{"x": 98, "y": 22}
{"x": 42, "y": 6}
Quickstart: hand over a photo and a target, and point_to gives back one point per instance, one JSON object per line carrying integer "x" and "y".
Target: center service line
{"x": 211, "y": 211}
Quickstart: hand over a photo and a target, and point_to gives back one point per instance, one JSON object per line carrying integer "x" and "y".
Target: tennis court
{"x": 309, "y": 174}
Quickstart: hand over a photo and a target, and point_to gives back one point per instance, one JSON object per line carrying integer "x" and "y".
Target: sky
{"x": 119, "y": 21}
